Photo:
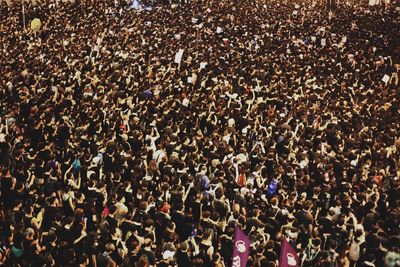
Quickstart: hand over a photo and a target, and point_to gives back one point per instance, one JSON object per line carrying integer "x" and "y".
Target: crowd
{"x": 281, "y": 117}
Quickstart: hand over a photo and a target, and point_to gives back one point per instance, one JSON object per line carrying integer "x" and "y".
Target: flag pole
{"x": 23, "y": 13}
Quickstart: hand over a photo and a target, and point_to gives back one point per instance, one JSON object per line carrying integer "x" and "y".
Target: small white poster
{"x": 386, "y": 78}
{"x": 178, "y": 56}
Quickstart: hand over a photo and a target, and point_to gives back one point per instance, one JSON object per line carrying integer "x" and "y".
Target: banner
{"x": 288, "y": 257}
{"x": 241, "y": 247}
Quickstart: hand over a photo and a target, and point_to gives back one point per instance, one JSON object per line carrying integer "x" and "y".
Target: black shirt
{"x": 182, "y": 259}
{"x": 48, "y": 217}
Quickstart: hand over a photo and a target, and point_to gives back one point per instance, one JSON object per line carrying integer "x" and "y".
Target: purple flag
{"x": 241, "y": 247}
{"x": 288, "y": 256}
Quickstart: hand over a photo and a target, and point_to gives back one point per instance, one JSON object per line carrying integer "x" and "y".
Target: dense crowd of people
{"x": 281, "y": 117}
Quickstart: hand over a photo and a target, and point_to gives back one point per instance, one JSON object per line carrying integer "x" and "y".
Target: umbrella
{"x": 36, "y": 24}
{"x": 286, "y": 126}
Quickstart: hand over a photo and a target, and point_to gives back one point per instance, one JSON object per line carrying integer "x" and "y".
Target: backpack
{"x": 331, "y": 259}
{"x": 16, "y": 252}
{"x": 272, "y": 187}
{"x": 76, "y": 165}
{"x": 241, "y": 181}
{"x": 354, "y": 252}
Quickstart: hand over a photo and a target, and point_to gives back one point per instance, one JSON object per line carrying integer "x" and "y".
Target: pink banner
{"x": 241, "y": 249}
{"x": 288, "y": 256}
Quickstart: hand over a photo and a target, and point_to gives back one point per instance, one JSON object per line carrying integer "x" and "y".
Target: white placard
{"x": 386, "y": 78}
{"x": 189, "y": 80}
{"x": 178, "y": 56}
{"x": 219, "y": 29}
{"x": 203, "y": 65}
{"x": 313, "y": 38}
{"x": 323, "y": 42}
{"x": 185, "y": 102}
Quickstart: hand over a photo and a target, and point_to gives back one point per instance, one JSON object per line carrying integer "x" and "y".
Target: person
{"x": 182, "y": 257}
{"x": 104, "y": 259}
{"x": 31, "y": 248}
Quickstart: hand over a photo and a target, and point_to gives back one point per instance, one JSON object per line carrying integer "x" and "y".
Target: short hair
{"x": 110, "y": 247}
{"x": 29, "y": 232}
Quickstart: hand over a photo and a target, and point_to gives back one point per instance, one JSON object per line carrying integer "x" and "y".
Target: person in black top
{"x": 182, "y": 257}
{"x": 31, "y": 248}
